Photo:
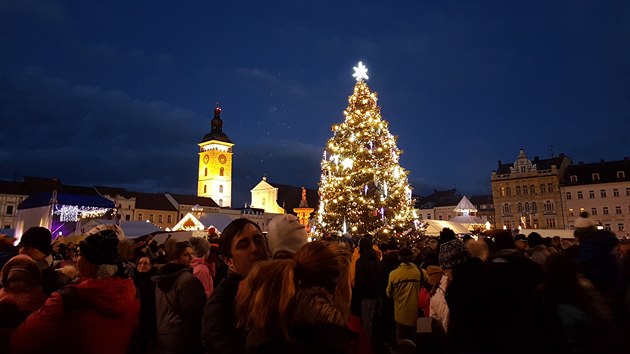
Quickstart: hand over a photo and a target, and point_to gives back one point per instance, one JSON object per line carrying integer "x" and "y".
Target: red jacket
{"x": 94, "y": 316}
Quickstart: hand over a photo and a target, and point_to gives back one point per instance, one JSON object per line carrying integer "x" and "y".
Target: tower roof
{"x": 216, "y": 132}
{"x": 465, "y": 205}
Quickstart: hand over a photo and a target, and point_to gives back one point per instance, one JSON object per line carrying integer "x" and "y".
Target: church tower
{"x": 215, "y": 164}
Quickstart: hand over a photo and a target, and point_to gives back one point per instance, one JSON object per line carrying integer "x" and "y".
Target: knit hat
{"x": 584, "y": 225}
{"x": 21, "y": 263}
{"x": 100, "y": 248}
{"x": 37, "y": 237}
{"x": 200, "y": 246}
{"x": 452, "y": 253}
{"x": 286, "y": 234}
{"x": 435, "y": 274}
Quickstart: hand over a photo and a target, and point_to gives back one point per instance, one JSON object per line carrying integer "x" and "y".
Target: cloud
{"x": 273, "y": 82}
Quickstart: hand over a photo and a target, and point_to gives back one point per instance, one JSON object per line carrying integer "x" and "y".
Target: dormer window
{"x": 621, "y": 174}
{"x": 573, "y": 178}
{"x": 595, "y": 176}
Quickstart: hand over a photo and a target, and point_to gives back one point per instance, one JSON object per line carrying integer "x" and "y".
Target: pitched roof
{"x": 10, "y": 187}
{"x": 113, "y": 191}
{"x": 194, "y": 200}
{"x": 289, "y": 197}
{"x": 465, "y": 205}
{"x": 607, "y": 171}
{"x": 438, "y": 199}
{"x": 153, "y": 201}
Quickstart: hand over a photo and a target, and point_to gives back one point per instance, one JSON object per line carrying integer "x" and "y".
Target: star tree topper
{"x": 360, "y": 72}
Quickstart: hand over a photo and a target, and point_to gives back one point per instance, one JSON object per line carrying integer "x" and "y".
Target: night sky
{"x": 119, "y": 93}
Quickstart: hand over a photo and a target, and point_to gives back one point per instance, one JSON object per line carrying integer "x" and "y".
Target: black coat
{"x": 369, "y": 277}
{"x": 219, "y": 332}
{"x": 311, "y": 339}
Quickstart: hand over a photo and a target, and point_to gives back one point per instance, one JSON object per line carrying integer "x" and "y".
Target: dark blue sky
{"x": 120, "y": 92}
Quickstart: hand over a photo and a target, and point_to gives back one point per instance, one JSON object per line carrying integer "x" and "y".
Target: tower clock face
{"x": 222, "y": 159}
{"x": 206, "y": 158}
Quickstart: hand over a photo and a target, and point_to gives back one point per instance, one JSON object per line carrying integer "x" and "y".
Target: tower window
{"x": 205, "y": 171}
{"x": 221, "y": 171}
{"x": 221, "y": 189}
{"x": 205, "y": 189}
{"x": 220, "y": 202}
{"x": 595, "y": 176}
{"x": 140, "y": 217}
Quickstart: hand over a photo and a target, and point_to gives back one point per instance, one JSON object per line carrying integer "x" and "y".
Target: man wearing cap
{"x": 35, "y": 243}
{"x": 403, "y": 286}
{"x": 96, "y": 315}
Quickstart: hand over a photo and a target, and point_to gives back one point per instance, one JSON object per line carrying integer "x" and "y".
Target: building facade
{"x": 603, "y": 190}
{"x": 11, "y": 195}
{"x": 526, "y": 193}
{"x": 215, "y": 164}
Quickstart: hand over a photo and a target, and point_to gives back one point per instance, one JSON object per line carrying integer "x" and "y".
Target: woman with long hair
{"x": 290, "y": 305}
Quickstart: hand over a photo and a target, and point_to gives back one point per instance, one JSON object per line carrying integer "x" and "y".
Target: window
{"x": 205, "y": 171}
{"x": 603, "y": 193}
{"x": 220, "y": 202}
{"x": 570, "y": 212}
{"x": 581, "y": 210}
{"x": 520, "y": 207}
{"x": 542, "y": 189}
{"x": 429, "y": 216}
{"x": 605, "y": 210}
{"x": 518, "y": 190}
{"x": 502, "y": 191}
{"x": 627, "y": 192}
{"x": 621, "y": 174}
{"x": 205, "y": 189}
{"x": 620, "y": 227}
{"x": 7, "y": 226}
{"x": 527, "y": 209}
{"x": 263, "y": 202}
{"x": 508, "y": 191}
{"x": 221, "y": 171}
{"x": 595, "y": 176}
{"x": 607, "y": 227}
{"x": 9, "y": 209}
{"x": 548, "y": 206}
{"x": 573, "y": 178}
{"x": 160, "y": 220}
{"x": 525, "y": 190}
{"x": 439, "y": 217}
{"x": 532, "y": 190}
{"x": 591, "y": 194}
{"x": 551, "y": 223}
{"x": 568, "y": 195}
{"x": 221, "y": 189}
{"x": 593, "y": 211}
{"x": 615, "y": 192}
{"x": 129, "y": 206}
{"x": 169, "y": 219}
{"x": 506, "y": 208}
{"x": 534, "y": 209}
{"x": 617, "y": 210}
{"x": 140, "y": 217}
{"x": 151, "y": 217}
{"x": 580, "y": 196}
{"x": 550, "y": 188}
{"x": 127, "y": 217}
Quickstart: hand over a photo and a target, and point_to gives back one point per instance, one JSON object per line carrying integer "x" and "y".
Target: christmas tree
{"x": 362, "y": 188}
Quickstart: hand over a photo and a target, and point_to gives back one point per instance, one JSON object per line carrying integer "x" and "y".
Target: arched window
{"x": 205, "y": 171}
{"x": 221, "y": 189}
{"x": 263, "y": 202}
{"x": 220, "y": 202}
{"x": 221, "y": 171}
{"x": 534, "y": 208}
{"x": 205, "y": 189}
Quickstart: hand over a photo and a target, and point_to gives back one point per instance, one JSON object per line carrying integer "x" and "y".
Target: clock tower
{"x": 215, "y": 164}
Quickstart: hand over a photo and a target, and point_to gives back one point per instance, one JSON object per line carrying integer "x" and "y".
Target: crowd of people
{"x": 279, "y": 293}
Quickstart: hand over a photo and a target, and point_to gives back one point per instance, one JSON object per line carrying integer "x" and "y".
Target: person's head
{"x": 144, "y": 264}
{"x": 97, "y": 249}
{"x": 19, "y": 274}
{"x": 446, "y": 235}
{"x": 521, "y": 242}
{"x": 405, "y": 255}
{"x": 503, "y": 240}
{"x": 270, "y": 294}
{"x": 434, "y": 274}
{"x": 478, "y": 249}
{"x": 452, "y": 253}
{"x": 585, "y": 225}
{"x": 365, "y": 245}
{"x": 242, "y": 244}
{"x": 200, "y": 247}
{"x": 467, "y": 238}
{"x": 35, "y": 243}
{"x": 285, "y": 236}
{"x": 178, "y": 252}
{"x": 534, "y": 239}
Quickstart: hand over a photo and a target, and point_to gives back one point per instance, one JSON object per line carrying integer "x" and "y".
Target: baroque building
{"x": 526, "y": 193}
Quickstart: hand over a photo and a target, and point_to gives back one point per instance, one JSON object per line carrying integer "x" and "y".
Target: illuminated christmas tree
{"x": 362, "y": 188}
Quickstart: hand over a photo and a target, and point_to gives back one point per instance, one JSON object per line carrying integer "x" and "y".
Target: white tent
{"x": 435, "y": 226}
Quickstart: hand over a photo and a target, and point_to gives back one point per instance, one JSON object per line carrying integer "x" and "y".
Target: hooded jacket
{"x": 403, "y": 287}
{"x": 94, "y": 316}
{"x": 179, "y": 302}
{"x": 202, "y": 272}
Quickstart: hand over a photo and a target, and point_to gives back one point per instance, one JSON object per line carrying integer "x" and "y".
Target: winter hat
{"x": 100, "y": 248}
{"x": 435, "y": 274}
{"x": 534, "y": 239}
{"x": 452, "y": 253}
{"x": 37, "y": 237}
{"x": 584, "y": 225}
{"x": 200, "y": 246}
{"x": 286, "y": 234}
{"x": 22, "y": 263}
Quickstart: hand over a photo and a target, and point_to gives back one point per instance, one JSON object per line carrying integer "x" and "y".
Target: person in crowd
{"x": 7, "y": 250}
{"x": 21, "y": 293}
{"x": 285, "y": 236}
{"x": 556, "y": 242}
{"x": 201, "y": 250}
{"x": 434, "y": 275}
{"x": 478, "y": 249}
{"x": 368, "y": 285}
{"x": 387, "y": 322}
{"x": 97, "y": 315}
{"x": 521, "y": 243}
{"x": 145, "y": 334}
{"x": 403, "y": 287}
{"x": 299, "y": 305}
{"x": 35, "y": 243}
{"x": 537, "y": 250}
{"x": 179, "y": 301}
{"x": 242, "y": 245}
